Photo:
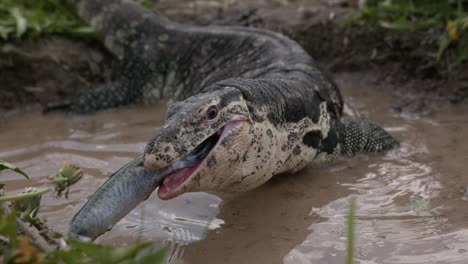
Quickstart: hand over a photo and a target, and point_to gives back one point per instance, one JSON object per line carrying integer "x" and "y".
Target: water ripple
{"x": 391, "y": 226}
{"x": 73, "y": 145}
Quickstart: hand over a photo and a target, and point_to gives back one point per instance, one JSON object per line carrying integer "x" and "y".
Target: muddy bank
{"x": 404, "y": 61}
{"x": 54, "y": 68}
{"x": 49, "y": 69}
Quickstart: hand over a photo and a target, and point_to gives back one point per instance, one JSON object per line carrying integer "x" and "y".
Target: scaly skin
{"x": 275, "y": 111}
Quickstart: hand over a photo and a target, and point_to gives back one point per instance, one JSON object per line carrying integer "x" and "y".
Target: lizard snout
{"x": 160, "y": 157}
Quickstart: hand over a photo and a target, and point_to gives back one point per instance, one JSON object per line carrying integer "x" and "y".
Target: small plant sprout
{"x": 28, "y": 207}
{"x": 68, "y": 175}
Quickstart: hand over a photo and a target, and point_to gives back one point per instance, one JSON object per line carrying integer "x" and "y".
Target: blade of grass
{"x": 350, "y": 236}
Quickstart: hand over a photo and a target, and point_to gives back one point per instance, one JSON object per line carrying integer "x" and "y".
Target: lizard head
{"x": 217, "y": 126}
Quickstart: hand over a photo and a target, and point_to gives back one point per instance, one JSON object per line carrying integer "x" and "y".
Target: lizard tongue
{"x": 184, "y": 168}
{"x": 174, "y": 180}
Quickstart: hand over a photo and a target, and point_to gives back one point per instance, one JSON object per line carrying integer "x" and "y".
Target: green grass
{"x": 350, "y": 233}
{"x": 395, "y": 16}
{"x": 30, "y": 18}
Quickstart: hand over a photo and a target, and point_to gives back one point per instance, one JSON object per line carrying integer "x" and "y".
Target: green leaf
{"x": 29, "y": 207}
{"x": 33, "y": 17}
{"x": 400, "y": 24}
{"x": 83, "y": 30}
{"x": 70, "y": 257}
{"x": 461, "y": 54}
{"x": 5, "y": 32}
{"x": 21, "y": 22}
{"x": 8, "y": 227}
{"x": 85, "y": 252}
{"x": 7, "y": 166}
{"x": 444, "y": 43}
{"x": 105, "y": 254}
{"x": 155, "y": 258}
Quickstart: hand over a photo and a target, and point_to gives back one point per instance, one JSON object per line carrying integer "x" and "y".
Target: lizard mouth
{"x": 177, "y": 182}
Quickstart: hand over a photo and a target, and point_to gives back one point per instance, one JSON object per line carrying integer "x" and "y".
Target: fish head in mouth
{"x": 203, "y": 139}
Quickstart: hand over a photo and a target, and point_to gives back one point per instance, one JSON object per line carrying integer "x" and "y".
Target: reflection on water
{"x": 401, "y": 216}
{"x": 182, "y": 220}
{"x": 101, "y": 144}
{"x": 412, "y": 201}
{"x": 393, "y": 214}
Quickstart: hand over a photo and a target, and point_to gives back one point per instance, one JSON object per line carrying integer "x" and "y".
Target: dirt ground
{"x": 53, "y": 68}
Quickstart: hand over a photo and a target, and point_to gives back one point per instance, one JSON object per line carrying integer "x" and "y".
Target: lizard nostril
{"x": 167, "y": 149}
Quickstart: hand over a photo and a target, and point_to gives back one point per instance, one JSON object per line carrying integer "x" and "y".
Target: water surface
{"x": 412, "y": 201}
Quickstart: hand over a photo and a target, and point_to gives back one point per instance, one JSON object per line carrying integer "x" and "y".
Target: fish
{"x": 122, "y": 192}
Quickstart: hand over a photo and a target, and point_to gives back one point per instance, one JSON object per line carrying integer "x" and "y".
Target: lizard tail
{"x": 119, "y": 21}
{"x": 357, "y": 135}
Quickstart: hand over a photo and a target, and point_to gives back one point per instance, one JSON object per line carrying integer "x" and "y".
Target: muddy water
{"x": 412, "y": 201}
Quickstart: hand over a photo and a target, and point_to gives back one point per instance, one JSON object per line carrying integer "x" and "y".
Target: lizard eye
{"x": 212, "y": 112}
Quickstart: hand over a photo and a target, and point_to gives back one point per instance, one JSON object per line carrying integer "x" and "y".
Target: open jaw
{"x": 186, "y": 168}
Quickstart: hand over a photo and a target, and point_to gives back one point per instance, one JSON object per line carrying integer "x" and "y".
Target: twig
{"x": 41, "y": 236}
{"x": 35, "y": 236}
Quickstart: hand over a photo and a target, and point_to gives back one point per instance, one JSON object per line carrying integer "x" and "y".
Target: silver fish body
{"x": 124, "y": 191}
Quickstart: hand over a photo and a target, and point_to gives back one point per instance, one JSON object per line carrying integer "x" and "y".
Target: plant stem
{"x": 350, "y": 244}
{"x": 460, "y": 8}
{"x": 41, "y": 236}
{"x": 22, "y": 196}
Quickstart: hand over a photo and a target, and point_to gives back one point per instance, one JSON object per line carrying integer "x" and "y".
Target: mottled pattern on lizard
{"x": 256, "y": 92}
